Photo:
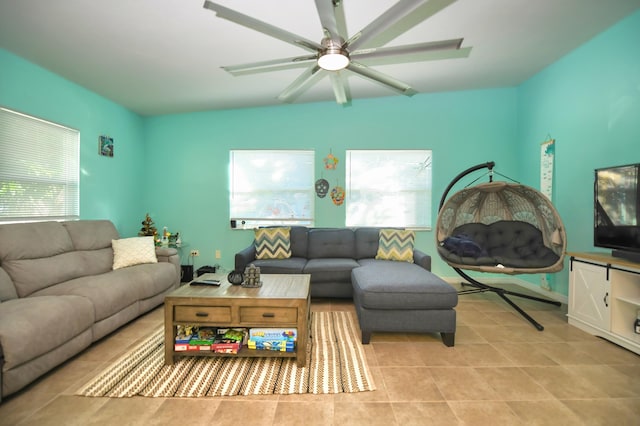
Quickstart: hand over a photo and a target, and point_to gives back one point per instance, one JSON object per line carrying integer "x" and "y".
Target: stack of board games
{"x": 273, "y": 339}
{"x": 229, "y": 340}
{"x": 219, "y": 340}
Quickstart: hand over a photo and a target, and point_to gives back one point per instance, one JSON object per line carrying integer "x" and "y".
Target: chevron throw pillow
{"x": 396, "y": 244}
{"x": 273, "y": 243}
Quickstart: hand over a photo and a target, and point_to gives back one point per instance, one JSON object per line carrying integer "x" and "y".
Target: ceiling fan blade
{"x": 263, "y": 27}
{"x": 332, "y": 19}
{"x": 307, "y": 79}
{"x": 268, "y": 66}
{"x": 429, "y": 51}
{"x": 341, "y": 88}
{"x": 381, "y": 78}
{"x": 398, "y": 19}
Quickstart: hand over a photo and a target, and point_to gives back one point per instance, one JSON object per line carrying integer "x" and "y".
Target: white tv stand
{"x": 604, "y": 297}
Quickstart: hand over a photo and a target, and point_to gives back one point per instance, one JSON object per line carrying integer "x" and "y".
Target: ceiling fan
{"x": 337, "y": 53}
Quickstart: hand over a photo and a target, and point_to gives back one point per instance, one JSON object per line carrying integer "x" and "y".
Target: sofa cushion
{"x": 293, "y": 265}
{"x": 33, "y": 240}
{"x": 383, "y": 284}
{"x": 367, "y": 240}
{"x": 334, "y": 243}
{"x": 110, "y": 292}
{"x": 34, "y": 317}
{"x": 273, "y": 243}
{"x": 133, "y": 251}
{"x": 91, "y": 234}
{"x": 330, "y": 269}
{"x": 396, "y": 244}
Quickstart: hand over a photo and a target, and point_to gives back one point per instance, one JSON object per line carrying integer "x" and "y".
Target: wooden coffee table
{"x": 281, "y": 302}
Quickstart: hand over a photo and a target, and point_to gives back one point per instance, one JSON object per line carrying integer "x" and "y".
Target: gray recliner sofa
{"x": 388, "y": 295}
{"x": 59, "y": 293}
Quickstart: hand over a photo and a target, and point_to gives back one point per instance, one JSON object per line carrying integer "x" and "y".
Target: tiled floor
{"x": 501, "y": 371}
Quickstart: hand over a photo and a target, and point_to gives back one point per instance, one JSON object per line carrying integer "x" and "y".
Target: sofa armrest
{"x": 422, "y": 259}
{"x": 245, "y": 257}
{"x": 169, "y": 254}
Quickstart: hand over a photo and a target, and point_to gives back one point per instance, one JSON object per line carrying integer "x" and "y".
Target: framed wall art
{"x": 105, "y": 146}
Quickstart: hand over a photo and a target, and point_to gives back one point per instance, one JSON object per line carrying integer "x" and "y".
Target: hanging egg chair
{"x": 500, "y": 227}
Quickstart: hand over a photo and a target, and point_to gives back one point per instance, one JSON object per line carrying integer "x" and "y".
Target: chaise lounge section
{"x": 390, "y": 295}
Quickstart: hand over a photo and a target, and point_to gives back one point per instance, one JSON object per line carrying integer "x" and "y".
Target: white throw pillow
{"x": 133, "y": 251}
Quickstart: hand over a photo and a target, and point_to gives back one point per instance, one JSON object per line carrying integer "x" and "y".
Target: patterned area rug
{"x": 335, "y": 364}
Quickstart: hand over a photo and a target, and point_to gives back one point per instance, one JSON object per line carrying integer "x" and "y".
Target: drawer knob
{"x": 202, "y": 314}
{"x": 268, "y": 315}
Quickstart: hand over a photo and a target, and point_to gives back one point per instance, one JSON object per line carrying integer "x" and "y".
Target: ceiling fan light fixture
{"x": 333, "y": 57}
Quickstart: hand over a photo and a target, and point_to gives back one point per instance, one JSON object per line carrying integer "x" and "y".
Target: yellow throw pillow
{"x": 133, "y": 251}
{"x": 273, "y": 243}
{"x": 396, "y": 244}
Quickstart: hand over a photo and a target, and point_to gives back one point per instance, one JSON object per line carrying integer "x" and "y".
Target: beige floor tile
{"x": 606, "y": 352}
{"x": 378, "y": 395}
{"x": 363, "y": 414}
{"x": 74, "y": 411}
{"x": 565, "y": 354}
{"x": 303, "y": 413}
{"x": 489, "y": 413}
{"x": 563, "y": 383}
{"x": 390, "y": 354}
{"x": 233, "y": 413}
{"x": 462, "y": 384}
{"x": 410, "y": 384}
{"x": 175, "y": 411}
{"x": 523, "y": 354}
{"x": 437, "y": 354}
{"x": 615, "y": 383}
{"x": 466, "y": 334}
{"x": 424, "y": 413}
{"x": 605, "y": 412}
{"x": 544, "y": 413}
{"x": 482, "y": 354}
{"x": 513, "y": 384}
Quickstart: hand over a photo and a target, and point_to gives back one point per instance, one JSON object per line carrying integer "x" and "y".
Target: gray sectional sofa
{"x": 389, "y": 295}
{"x": 59, "y": 293}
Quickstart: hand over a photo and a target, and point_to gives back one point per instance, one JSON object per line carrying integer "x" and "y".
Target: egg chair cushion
{"x": 511, "y": 244}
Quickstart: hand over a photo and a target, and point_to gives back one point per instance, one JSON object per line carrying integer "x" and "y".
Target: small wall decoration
{"x": 337, "y": 195}
{"x": 330, "y": 161}
{"x": 322, "y": 188}
{"x": 105, "y": 146}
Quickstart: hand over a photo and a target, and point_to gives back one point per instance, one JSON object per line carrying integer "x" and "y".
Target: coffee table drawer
{"x": 265, "y": 315}
{"x": 220, "y": 314}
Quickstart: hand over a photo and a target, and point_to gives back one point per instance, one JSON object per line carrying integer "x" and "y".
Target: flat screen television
{"x": 617, "y": 210}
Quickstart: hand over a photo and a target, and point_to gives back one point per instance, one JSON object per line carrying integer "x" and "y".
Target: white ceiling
{"x": 165, "y": 56}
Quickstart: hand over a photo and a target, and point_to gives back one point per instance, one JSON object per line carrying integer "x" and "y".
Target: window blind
{"x": 389, "y": 188}
{"x": 39, "y": 169}
{"x": 271, "y": 187}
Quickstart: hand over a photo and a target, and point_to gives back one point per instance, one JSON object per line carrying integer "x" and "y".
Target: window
{"x": 39, "y": 169}
{"x": 271, "y": 188}
{"x": 389, "y": 188}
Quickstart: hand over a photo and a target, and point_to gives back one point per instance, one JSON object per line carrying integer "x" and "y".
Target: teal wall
{"x": 589, "y": 102}
{"x": 187, "y": 182}
{"x": 109, "y": 187}
{"x": 176, "y": 167}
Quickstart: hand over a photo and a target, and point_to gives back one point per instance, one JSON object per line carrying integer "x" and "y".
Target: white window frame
{"x": 39, "y": 169}
{"x": 389, "y": 188}
{"x": 271, "y": 187}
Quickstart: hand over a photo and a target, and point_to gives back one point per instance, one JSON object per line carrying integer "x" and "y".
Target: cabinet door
{"x": 589, "y": 295}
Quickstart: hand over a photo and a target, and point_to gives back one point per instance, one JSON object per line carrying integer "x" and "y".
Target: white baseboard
{"x": 515, "y": 280}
